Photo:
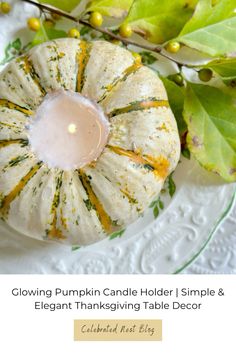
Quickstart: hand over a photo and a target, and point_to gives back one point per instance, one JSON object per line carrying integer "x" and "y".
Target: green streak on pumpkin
{"x": 16, "y": 161}
{"x": 126, "y": 73}
{"x": 28, "y": 68}
{"x": 159, "y": 164}
{"x": 4, "y": 143}
{"x": 82, "y": 60}
{"x": 7, "y": 104}
{"x": 104, "y": 218}
{"x": 139, "y": 106}
{"x": 5, "y": 204}
{"x": 129, "y": 197}
{"x": 54, "y": 232}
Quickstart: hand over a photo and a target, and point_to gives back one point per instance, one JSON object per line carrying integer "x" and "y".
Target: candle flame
{"x": 72, "y": 128}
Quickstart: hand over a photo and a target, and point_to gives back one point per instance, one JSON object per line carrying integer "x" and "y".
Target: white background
{"x": 210, "y": 330}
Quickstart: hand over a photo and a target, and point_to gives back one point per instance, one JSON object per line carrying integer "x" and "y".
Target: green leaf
{"x": 116, "y": 234}
{"x": 7, "y": 49}
{"x": 11, "y": 51}
{"x": 147, "y": 58}
{"x": 113, "y": 8}
{"x": 156, "y": 204}
{"x": 210, "y": 115}
{"x": 171, "y": 185}
{"x": 16, "y": 44}
{"x": 225, "y": 67}
{"x": 175, "y": 95}
{"x": 161, "y": 204}
{"x": 75, "y": 248}
{"x": 46, "y": 34}
{"x": 85, "y": 30}
{"x": 211, "y": 29}
{"x": 66, "y": 5}
{"x": 156, "y": 212}
{"x": 207, "y": 14}
{"x": 158, "y": 20}
{"x": 153, "y": 203}
{"x": 186, "y": 153}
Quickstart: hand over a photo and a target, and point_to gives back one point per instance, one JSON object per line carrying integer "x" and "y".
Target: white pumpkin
{"x": 83, "y": 206}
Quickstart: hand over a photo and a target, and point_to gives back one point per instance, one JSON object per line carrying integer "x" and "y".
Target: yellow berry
{"x": 205, "y": 75}
{"x": 138, "y": 58}
{"x": 34, "y": 24}
{"x": 116, "y": 42}
{"x": 125, "y": 30}
{"x": 96, "y": 19}
{"x": 48, "y": 23}
{"x": 178, "y": 79}
{"x": 93, "y": 35}
{"x": 55, "y": 16}
{"x": 173, "y": 47}
{"x": 73, "y": 33}
{"x": 5, "y": 7}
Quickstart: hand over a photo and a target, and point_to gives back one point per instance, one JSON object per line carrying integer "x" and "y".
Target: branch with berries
{"x": 204, "y": 103}
{"x": 95, "y": 21}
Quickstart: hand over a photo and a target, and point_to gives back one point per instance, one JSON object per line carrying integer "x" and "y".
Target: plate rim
{"x": 210, "y": 236}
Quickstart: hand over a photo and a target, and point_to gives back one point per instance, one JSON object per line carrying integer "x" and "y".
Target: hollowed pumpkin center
{"x": 68, "y": 131}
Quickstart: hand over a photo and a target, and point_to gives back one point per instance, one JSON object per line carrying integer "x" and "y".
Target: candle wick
{"x": 72, "y": 128}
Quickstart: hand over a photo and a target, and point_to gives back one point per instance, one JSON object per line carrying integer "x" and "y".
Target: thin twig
{"x": 104, "y": 30}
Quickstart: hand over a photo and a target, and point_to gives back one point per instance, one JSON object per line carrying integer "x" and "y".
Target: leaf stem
{"x": 43, "y": 31}
{"x": 156, "y": 49}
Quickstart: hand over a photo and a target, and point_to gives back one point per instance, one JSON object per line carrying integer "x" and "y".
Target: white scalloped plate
{"x": 165, "y": 245}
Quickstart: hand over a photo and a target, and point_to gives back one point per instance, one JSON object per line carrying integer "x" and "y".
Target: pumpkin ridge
{"x": 54, "y": 232}
{"x": 12, "y": 127}
{"x": 82, "y": 59}
{"x": 8, "y": 104}
{"x": 139, "y": 106}
{"x": 131, "y": 199}
{"x": 15, "y": 161}
{"x": 58, "y": 57}
{"x": 103, "y": 217}
{"x": 28, "y": 68}
{"x": 159, "y": 166}
{"x": 5, "y": 203}
{"x": 126, "y": 73}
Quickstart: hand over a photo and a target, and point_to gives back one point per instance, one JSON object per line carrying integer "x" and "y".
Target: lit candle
{"x": 68, "y": 130}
